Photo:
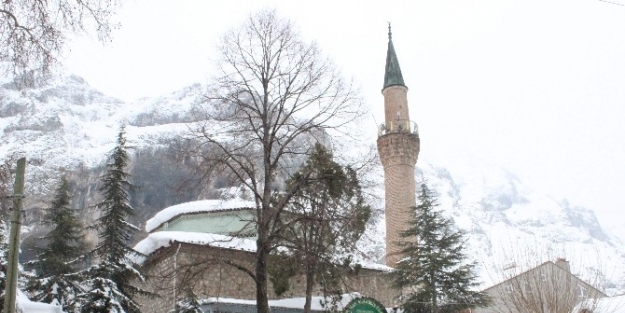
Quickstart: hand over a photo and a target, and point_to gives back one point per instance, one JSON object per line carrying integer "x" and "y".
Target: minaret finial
{"x": 392, "y": 75}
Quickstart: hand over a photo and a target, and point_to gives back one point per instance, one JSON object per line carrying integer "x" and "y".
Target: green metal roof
{"x": 392, "y": 75}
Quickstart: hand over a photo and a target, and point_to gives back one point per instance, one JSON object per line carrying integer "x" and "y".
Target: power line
{"x": 610, "y": 2}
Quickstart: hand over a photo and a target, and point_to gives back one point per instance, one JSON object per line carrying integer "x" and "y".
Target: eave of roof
{"x": 158, "y": 241}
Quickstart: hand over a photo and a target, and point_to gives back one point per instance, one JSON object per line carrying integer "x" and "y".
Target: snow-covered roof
{"x": 161, "y": 239}
{"x": 200, "y": 206}
{"x": 603, "y": 305}
{"x": 157, "y": 240}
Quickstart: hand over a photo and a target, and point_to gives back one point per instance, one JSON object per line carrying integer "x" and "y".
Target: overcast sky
{"x": 536, "y": 86}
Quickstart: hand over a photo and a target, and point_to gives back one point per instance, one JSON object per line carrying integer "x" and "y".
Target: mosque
{"x": 189, "y": 246}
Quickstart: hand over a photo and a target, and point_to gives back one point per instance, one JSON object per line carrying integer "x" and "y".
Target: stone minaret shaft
{"x": 398, "y": 146}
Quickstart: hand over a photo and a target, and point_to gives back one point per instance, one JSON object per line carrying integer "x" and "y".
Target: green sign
{"x": 364, "y": 305}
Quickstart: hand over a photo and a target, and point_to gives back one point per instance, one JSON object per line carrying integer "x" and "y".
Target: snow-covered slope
{"x": 510, "y": 227}
{"x": 68, "y": 125}
{"x": 509, "y": 224}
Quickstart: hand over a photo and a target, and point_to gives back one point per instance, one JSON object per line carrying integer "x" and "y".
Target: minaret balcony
{"x": 393, "y": 127}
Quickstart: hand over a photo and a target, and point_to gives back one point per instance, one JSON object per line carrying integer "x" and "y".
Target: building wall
{"x": 209, "y": 272}
{"x": 546, "y": 288}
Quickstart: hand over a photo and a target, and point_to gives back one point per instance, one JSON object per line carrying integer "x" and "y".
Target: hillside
{"x": 68, "y": 127}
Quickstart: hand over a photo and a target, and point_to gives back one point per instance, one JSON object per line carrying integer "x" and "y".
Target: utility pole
{"x": 10, "y": 294}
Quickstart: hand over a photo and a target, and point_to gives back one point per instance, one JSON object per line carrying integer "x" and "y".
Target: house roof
{"x": 195, "y": 207}
{"x": 546, "y": 263}
{"x": 603, "y": 305}
{"x": 162, "y": 239}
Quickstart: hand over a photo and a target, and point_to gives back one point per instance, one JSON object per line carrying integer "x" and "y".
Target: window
{"x": 581, "y": 291}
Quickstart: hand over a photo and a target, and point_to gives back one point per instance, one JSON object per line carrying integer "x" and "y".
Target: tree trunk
{"x": 262, "y": 301}
{"x": 310, "y": 275}
{"x": 434, "y": 293}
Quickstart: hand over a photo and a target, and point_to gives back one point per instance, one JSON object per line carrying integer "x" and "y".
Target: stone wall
{"x": 211, "y": 272}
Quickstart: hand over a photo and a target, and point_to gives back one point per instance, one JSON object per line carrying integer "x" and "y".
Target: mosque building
{"x": 190, "y": 246}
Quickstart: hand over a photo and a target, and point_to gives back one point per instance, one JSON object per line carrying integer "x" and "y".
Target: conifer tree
{"x": 109, "y": 282}
{"x": 56, "y": 281}
{"x": 435, "y": 275}
{"x": 326, "y": 218}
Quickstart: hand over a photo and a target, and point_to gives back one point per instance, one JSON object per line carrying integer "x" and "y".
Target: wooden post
{"x": 10, "y": 294}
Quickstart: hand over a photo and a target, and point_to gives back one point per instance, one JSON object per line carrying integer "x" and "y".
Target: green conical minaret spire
{"x": 392, "y": 75}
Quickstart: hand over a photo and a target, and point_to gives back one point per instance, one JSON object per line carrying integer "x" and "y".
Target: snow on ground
{"x": 195, "y": 207}
{"x": 294, "y": 303}
{"x": 28, "y": 306}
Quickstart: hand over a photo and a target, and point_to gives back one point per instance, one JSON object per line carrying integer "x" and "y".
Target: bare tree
{"x": 34, "y": 32}
{"x": 273, "y": 98}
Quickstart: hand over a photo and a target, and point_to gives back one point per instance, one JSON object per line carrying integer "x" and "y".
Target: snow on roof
{"x": 294, "y": 303}
{"x": 157, "y": 240}
{"x": 603, "y": 305}
{"x": 195, "y": 207}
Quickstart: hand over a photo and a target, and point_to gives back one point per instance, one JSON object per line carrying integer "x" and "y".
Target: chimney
{"x": 563, "y": 264}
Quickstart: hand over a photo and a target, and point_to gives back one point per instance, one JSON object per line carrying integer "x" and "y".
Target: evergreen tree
{"x": 109, "y": 282}
{"x": 325, "y": 219}
{"x": 434, "y": 274}
{"x": 56, "y": 264}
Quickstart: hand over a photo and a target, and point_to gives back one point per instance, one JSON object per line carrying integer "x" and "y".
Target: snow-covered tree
{"x": 109, "y": 287}
{"x": 434, "y": 273}
{"x": 190, "y": 304}
{"x": 56, "y": 281}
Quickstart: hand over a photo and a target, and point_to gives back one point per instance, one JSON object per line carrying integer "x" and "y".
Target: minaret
{"x": 398, "y": 146}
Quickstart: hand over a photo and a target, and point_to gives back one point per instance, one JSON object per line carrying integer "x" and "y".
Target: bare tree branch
{"x": 33, "y": 34}
{"x": 273, "y": 98}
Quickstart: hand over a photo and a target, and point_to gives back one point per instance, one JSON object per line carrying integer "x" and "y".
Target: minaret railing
{"x": 407, "y": 127}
